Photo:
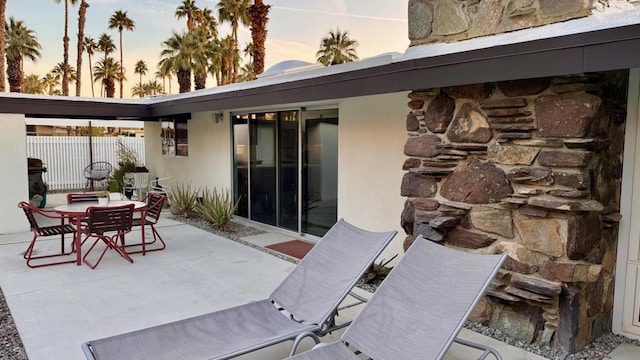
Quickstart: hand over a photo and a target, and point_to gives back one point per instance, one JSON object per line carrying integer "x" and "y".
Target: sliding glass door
{"x": 272, "y": 150}
{"x": 266, "y": 167}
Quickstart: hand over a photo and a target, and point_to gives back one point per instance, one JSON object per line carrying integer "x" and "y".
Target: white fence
{"x": 66, "y": 157}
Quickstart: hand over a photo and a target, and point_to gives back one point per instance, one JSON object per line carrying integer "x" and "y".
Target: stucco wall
{"x": 14, "y": 183}
{"x": 209, "y": 160}
{"x": 371, "y": 140}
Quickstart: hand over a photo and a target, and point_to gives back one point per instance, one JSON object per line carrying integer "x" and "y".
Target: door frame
{"x": 627, "y": 278}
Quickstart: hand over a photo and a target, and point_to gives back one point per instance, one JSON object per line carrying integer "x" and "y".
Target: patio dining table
{"x": 78, "y": 210}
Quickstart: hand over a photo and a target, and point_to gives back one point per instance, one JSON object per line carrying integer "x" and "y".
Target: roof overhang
{"x": 73, "y": 107}
{"x": 578, "y": 46}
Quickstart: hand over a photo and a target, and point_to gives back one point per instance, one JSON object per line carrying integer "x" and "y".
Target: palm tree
{"x": 176, "y": 55}
{"x": 259, "y": 13}
{"x": 246, "y": 73}
{"x": 248, "y": 51}
{"x": 164, "y": 74}
{"x": 189, "y": 10}
{"x": 235, "y": 12}
{"x": 3, "y": 8}
{"x": 71, "y": 72}
{"x": 105, "y": 44}
{"x": 138, "y": 90}
{"x": 89, "y": 45}
{"x": 65, "y": 43}
{"x": 21, "y": 42}
{"x": 33, "y": 85}
{"x": 141, "y": 68}
{"x": 82, "y": 15}
{"x": 202, "y": 49}
{"x": 337, "y": 48}
{"x": 121, "y": 21}
{"x": 219, "y": 65}
{"x": 50, "y": 81}
{"x": 153, "y": 87}
{"x": 107, "y": 71}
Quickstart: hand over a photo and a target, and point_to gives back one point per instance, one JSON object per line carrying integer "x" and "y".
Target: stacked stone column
{"x": 531, "y": 168}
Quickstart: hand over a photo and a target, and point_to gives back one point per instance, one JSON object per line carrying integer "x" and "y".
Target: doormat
{"x": 294, "y": 248}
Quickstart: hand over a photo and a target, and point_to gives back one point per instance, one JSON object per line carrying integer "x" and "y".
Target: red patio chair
{"x": 46, "y": 231}
{"x": 109, "y": 225}
{"x": 154, "y": 201}
{"x": 81, "y": 197}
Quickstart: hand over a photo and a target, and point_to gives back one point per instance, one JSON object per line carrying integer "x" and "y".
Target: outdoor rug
{"x": 294, "y": 248}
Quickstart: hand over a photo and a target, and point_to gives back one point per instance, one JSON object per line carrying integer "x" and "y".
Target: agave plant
{"x": 217, "y": 207}
{"x": 183, "y": 199}
{"x": 378, "y": 271}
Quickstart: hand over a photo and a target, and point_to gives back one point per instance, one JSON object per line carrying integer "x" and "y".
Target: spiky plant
{"x": 183, "y": 199}
{"x": 217, "y": 207}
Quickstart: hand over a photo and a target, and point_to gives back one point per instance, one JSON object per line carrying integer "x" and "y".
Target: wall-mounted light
{"x": 218, "y": 117}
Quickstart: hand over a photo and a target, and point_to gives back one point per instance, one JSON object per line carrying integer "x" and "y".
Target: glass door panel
{"x": 320, "y": 176}
{"x": 288, "y": 170}
{"x": 241, "y": 164}
{"x": 262, "y": 164}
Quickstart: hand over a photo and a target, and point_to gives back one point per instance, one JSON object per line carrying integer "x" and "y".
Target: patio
{"x": 58, "y": 308}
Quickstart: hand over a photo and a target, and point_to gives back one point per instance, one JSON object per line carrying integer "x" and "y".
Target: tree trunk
{"x": 91, "y": 75}
{"x": 82, "y": 13}
{"x": 14, "y": 74}
{"x": 200, "y": 80}
{"x": 259, "y": 17}
{"x": 65, "y": 44}
{"x": 184, "y": 80}
{"x": 110, "y": 88}
{"x": 3, "y": 7}
{"x": 121, "y": 66}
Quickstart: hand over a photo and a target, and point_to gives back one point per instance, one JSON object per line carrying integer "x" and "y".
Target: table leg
{"x": 78, "y": 240}
{"x": 144, "y": 249}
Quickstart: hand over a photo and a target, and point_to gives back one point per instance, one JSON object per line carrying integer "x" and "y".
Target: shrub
{"x": 217, "y": 207}
{"x": 183, "y": 199}
{"x": 127, "y": 162}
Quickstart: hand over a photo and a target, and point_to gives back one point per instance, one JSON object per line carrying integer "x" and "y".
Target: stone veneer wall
{"x": 531, "y": 168}
{"x": 453, "y": 20}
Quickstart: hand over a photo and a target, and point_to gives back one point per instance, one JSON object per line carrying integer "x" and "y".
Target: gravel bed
{"x": 12, "y": 348}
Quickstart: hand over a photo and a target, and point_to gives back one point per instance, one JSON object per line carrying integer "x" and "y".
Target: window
{"x": 175, "y": 140}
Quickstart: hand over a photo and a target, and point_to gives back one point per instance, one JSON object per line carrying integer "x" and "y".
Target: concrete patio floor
{"x": 58, "y": 308}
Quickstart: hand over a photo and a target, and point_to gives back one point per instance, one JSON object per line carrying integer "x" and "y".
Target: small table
{"x": 77, "y": 210}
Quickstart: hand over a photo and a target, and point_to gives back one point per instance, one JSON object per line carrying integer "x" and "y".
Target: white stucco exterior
{"x": 209, "y": 160}
{"x": 371, "y": 137}
{"x": 14, "y": 179}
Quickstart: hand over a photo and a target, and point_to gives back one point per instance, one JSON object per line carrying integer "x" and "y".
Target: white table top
{"x": 82, "y": 206}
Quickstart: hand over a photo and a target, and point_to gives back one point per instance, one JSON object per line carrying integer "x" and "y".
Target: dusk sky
{"x": 295, "y": 29}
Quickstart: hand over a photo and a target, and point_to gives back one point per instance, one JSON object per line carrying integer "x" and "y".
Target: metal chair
{"x": 97, "y": 172}
{"x": 135, "y": 184}
{"x": 151, "y": 215}
{"x": 419, "y": 309}
{"x": 81, "y": 197}
{"x": 46, "y": 231}
{"x": 116, "y": 221}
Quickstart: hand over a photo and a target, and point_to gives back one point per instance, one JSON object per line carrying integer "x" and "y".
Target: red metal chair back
{"x": 154, "y": 201}
{"x": 81, "y": 197}
{"x": 108, "y": 219}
